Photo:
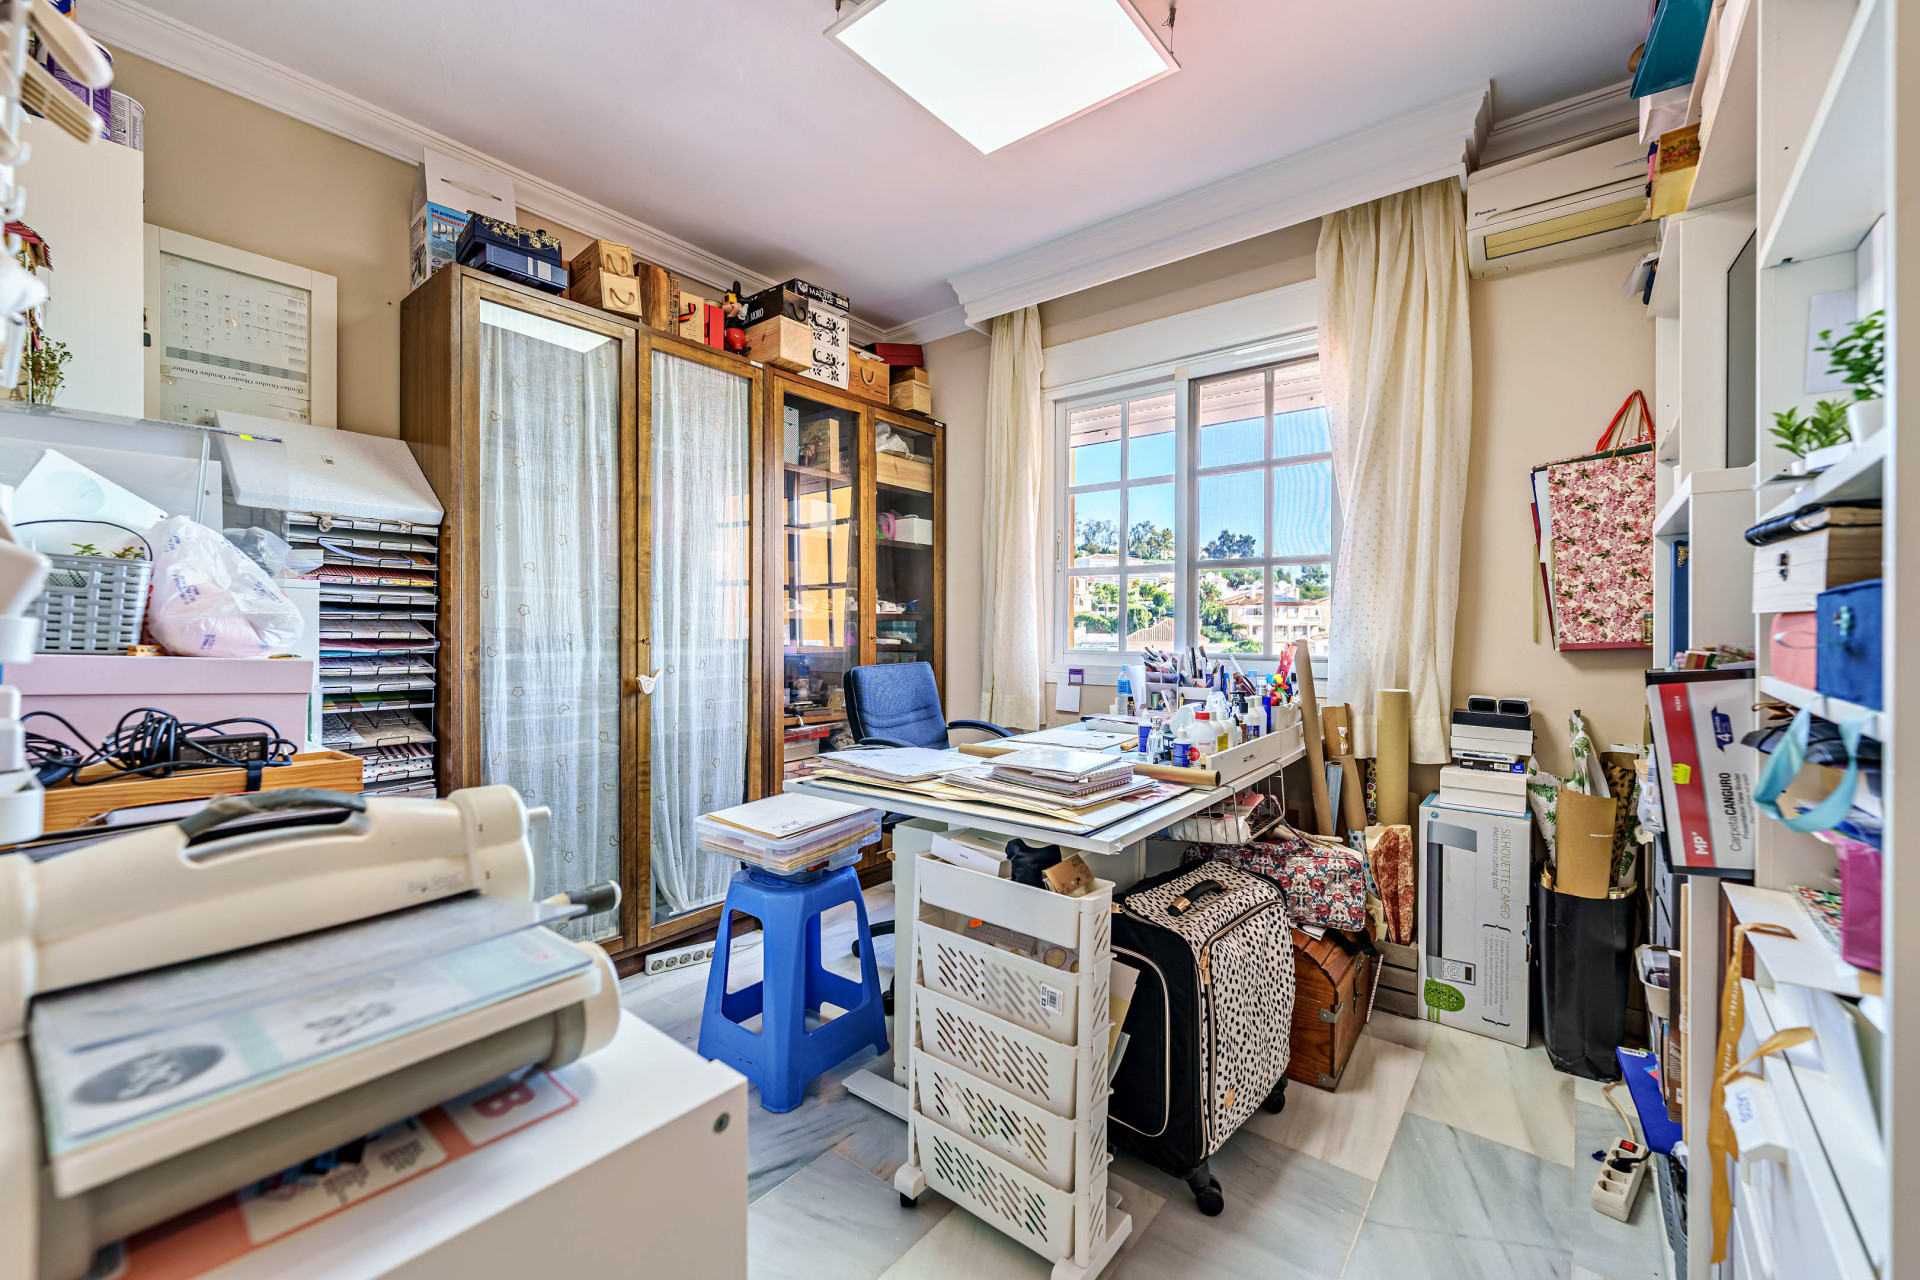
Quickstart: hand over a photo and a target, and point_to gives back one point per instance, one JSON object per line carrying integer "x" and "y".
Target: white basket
{"x": 1067, "y": 1153}
{"x": 1023, "y": 991}
{"x": 1053, "y": 1223}
{"x": 1024, "y": 1063}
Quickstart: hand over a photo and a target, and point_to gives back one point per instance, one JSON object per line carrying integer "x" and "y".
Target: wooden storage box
{"x": 904, "y": 471}
{"x": 1788, "y": 576}
{"x": 659, "y": 297}
{"x": 692, "y": 316}
{"x": 607, "y": 291}
{"x": 1332, "y": 989}
{"x": 603, "y": 255}
{"x": 912, "y": 389}
{"x": 867, "y": 376}
{"x": 69, "y": 806}
{"x": 782, "y": 343}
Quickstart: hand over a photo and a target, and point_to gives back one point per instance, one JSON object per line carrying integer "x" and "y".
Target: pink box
{"x": 94, "y": 690}
{"x": 1794, "y": 647}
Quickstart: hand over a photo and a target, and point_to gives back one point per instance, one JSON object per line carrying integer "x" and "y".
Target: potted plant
{"x": 1860, "y": 356}
{"x": 1802, "y": 437}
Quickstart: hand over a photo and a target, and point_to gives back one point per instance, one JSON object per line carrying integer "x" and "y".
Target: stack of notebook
{"x": 896, "y": 765}
{"x": 1060, "y": 776}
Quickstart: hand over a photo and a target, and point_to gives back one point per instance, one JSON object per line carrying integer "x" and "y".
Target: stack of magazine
{"x": 121, "y": 1054}
{"x": 1059, "y": 776}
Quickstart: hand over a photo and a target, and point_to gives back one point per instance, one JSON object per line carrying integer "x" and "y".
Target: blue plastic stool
{"x": 783, "y": 1055}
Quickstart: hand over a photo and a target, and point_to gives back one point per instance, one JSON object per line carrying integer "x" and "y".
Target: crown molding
{"x": 130, "y": 25}
{"x": 1434, "y": 142}
{"x": 941, "y": 324}
{"x": 1604, "y": 112}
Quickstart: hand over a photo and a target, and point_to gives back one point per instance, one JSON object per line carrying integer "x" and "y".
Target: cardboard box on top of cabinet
{"x": 781, "y": 342}
{"x": 1476, "y": 874}
{"x": 912, "y": 390}
{"x": 827, "y": 312}
{"x": 444, "y": 193}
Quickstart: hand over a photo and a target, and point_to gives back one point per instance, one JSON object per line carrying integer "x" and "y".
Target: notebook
{"x": 784, "y": 815}
{"x": 1058, "y": 762}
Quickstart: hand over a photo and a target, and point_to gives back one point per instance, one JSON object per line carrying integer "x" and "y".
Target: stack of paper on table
{"x": 787, "y": 832}
{"x": 894, "y": 764}
{"x": 1085, "y": 737}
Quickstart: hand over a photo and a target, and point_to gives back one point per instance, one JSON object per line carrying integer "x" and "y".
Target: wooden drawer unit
{"x": 1788, "y": 576}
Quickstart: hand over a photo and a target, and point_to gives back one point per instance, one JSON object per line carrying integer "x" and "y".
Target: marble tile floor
{"x": 1443, "y": 1154}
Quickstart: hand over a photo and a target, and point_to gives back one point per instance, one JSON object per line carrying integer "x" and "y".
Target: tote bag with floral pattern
{"x": 1600, "y": 530}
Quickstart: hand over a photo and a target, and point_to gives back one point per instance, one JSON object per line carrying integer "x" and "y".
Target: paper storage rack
{"x": 379, "y": 640}
{"x": 1008, "y": 1063}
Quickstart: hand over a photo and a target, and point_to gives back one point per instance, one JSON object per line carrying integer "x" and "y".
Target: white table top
{"x": 1112, "y": 839}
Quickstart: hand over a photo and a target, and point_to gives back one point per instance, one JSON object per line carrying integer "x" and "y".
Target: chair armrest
{"x": 882, "y": 742}
{"x": 993, "y": 729}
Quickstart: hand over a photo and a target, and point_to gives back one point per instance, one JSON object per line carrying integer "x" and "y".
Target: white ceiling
{"x": 735, "y": 125}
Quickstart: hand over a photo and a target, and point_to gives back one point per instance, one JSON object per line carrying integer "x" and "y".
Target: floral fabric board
{"x": 1598, "y": 527}
{"x": 1325, "y": 883}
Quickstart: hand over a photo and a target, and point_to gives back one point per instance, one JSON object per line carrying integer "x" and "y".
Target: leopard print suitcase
{"x": 1208, "y": 1029}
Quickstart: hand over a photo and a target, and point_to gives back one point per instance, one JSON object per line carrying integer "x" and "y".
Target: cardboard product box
{"x": 1475, "y": 883}
{"x": 714, "y": 330}
{"x": 607, "y": 256}
{"x": 832, "y": 336}
{"x": 781, "y": 342}
{"x": 1706, "y": 775}
{"x": 867, "y": 376}
{"x": 901, "y": 354}
{"x": 793, "y": 299}
{"x": 444, "y": 194}
{"x": 605, "y": 290}
{"x": 518, "y": 267}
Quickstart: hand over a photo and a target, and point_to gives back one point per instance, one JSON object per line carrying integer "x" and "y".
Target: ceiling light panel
{"x": 997, "y": 71}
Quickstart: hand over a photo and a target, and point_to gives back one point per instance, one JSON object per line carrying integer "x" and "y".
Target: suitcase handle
{"x": 1194, "y": 896}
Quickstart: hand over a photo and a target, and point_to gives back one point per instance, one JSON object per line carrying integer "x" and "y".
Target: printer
{"x": 191, "y": 1007}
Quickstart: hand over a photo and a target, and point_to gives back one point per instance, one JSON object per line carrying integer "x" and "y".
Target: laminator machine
{"x": 170, "y": 1030}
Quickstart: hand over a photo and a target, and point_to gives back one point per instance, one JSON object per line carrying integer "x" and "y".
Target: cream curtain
{"x": 1397, "y": 366}
{"x": 1013, "y": 674}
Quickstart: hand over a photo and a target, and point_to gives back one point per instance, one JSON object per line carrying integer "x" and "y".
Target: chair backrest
{"x": 896, "y": 700}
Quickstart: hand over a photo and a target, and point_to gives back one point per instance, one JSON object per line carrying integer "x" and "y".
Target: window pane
{"x": 1093, "y": 445}
{"x": 1301, "y": 605}
{"x": 1299, "y": 410}
{"x": 1150, "y": 608}
{"x": 1233, "y": 605}
{"x": 1231, "y": 526}
{"x": 1093, "y": 607}
{"x": 1150, "y": 437}
{"x": 1150, "y": 522}
{"x": 1096, "y": 529}
{"x": 1232, "y": 419}
{"x": 1303, "y": 509}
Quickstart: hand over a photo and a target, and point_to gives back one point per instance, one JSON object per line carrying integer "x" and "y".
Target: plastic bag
{"x": 262, "y": 546}
{"x": 210, "y": 601}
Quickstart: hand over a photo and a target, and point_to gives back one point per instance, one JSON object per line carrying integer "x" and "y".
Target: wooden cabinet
{"x": 602, "y": 621}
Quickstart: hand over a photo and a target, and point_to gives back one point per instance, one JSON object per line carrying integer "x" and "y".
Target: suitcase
{"x": 1209, "y": 1025}
{"x": 1334, "y": 977}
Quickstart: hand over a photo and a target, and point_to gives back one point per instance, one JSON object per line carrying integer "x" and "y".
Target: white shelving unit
{"x": 1813, "y": 88}
{"x": 1008, "y": 1065}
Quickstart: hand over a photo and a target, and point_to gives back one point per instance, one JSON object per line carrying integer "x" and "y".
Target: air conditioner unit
{"x": 1526, "y": 212}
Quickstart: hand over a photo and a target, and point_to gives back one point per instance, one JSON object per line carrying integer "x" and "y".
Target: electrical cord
{"x": 149, "y": 747}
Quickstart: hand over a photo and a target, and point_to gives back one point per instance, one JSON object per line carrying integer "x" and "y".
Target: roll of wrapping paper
{"x": 1391, "y": 712}
{"x": 1316, "y": 759}
{"x": 1159, "y": 772}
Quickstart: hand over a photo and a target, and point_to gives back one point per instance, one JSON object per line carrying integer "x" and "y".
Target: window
{"x": 1213, "y": 526}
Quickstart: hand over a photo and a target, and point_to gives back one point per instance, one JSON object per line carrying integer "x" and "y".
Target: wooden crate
{"x": 904, "y": 471}
{"x": 1332, "y": 987}
{"x": 608, "y": 256}
{"x": 782, "y": 343}
{"x": 867, "y": 376}
{"x": 912, "y": 389}
{"x": 659, "y": 296}
{"x": 607, "y": 291}
{"x": 69, "y": 806}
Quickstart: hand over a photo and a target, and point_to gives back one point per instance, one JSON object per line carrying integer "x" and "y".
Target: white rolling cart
{"x": 1008, "y": 1065}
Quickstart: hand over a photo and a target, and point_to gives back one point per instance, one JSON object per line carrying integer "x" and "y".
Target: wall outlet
{"x": 667, "y": 961}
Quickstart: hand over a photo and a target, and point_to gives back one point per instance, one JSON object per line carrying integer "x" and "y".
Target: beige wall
{"x": 1555, "y": 351}
{"x": 958, "y": 369}
{"x": 228, "y": 170}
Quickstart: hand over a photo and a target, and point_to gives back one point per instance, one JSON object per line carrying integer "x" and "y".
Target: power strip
{"x": 666, "y": 961}
{"x": 1613, "y": 1190}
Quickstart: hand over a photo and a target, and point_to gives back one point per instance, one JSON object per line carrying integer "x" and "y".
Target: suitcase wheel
{"x": 1206, "y": 1192}
{"x": 1276, "y": 1101}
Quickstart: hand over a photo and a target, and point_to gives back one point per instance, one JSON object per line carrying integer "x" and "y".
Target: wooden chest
{"x": 1331, "y": 990}
{"x": 868, "y": 376}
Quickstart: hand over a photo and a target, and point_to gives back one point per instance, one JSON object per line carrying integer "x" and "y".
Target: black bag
{"x": 1210, "y": 1021}
{"x": 1585, "y": 950}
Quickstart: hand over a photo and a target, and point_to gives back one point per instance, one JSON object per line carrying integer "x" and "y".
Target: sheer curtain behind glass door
{"x": 702, "y": 574}
{"x": 550, "y": 588}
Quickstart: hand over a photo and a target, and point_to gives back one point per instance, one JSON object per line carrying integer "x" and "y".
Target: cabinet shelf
{"x": 834, "y": 478}
{"x": 1838, "y": 187}
{"x": 1827, "y": 708}
{"x": 1860, "y": 474}
{"x": 895, "y": 544}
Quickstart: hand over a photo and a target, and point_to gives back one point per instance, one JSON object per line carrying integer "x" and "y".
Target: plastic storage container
{"x": 824, "y": 848}
{"x": 1849, "y": 665}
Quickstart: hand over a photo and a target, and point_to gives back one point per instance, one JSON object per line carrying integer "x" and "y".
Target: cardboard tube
{"x": 1316, "y": 759}
{"x": 1392, "y": 708}
{"x": 1353, "y": 794}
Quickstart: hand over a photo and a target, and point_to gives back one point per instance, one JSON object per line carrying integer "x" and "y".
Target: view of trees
{"x": 1097, "y": 607}
{"x": 1229, "y": 546}
{"x": 1309, "y": 580}
{"x": 1147, "y": 542}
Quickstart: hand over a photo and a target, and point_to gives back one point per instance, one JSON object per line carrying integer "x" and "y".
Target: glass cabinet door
{"x": 820, "y": 574}
{"x": 549, "y": 536}
{"x": 701, "y": 580}
{"x": 906, "y": 551}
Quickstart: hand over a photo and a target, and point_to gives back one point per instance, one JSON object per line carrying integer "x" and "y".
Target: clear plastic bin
{"x": 837, "y": 844}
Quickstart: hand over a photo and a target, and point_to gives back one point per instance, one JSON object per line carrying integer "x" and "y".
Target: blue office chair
{"x": 897, "y": 704}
